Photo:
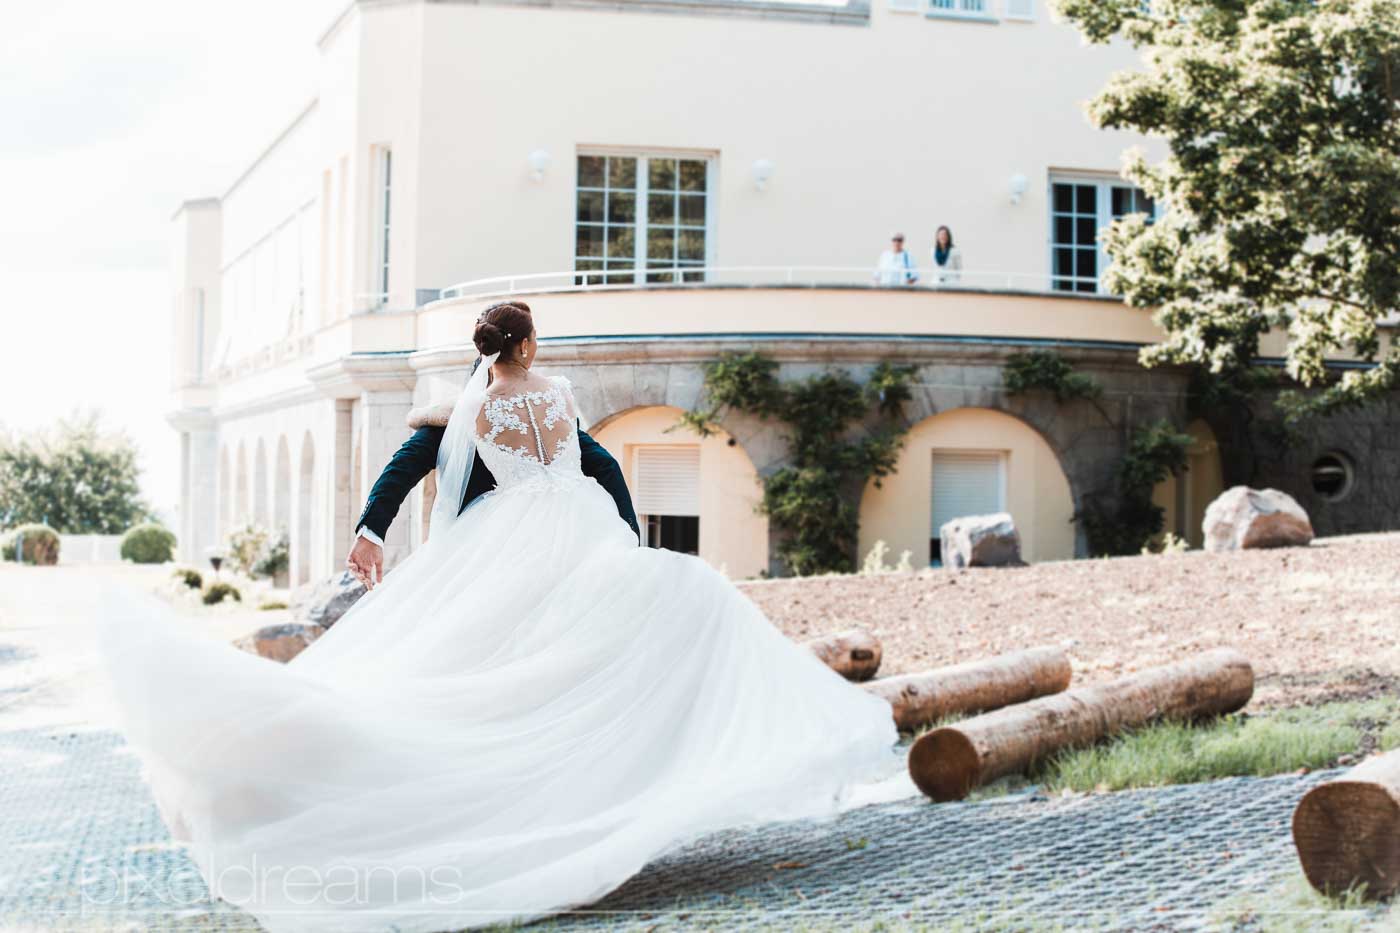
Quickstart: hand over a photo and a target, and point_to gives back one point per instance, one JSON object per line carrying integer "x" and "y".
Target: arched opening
{"x": 260, "y": 513}
{"x": 691, "y": 493}
{"x": 301, "y": 537}
{"x": 240, "y": 511}
{"x": 970, "y": 461}
{"x": 282, "y": 489}
{"x": 225, "y": 492}
{"x": 1184, "y": 499}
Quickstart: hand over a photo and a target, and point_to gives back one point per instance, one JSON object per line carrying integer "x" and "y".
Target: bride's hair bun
{"x": 501, "y": 327}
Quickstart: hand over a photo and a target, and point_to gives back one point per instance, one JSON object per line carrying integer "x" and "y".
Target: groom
{"x": 418, "y": 456}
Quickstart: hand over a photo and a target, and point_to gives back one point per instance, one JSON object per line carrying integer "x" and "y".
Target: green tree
{"x": 1282, "y": 180}
{"x": 76, "y": 478}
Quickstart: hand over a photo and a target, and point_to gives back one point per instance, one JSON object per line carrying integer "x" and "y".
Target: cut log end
{"x": 1348, "y": 835}
{"x": 945, "y": 765}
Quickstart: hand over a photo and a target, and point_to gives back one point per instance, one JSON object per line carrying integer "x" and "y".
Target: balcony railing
{"x": 767, "y": 276}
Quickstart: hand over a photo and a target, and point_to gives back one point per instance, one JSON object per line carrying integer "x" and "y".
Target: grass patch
{"x": 1295, "y": 907}
{"x": 1241, "y": 745}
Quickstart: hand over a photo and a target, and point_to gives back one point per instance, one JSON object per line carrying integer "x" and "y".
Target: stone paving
{"x": 82, "y": 846}
{"x": 76, "y": 820}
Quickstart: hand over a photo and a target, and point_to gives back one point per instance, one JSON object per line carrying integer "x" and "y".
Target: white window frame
{"x": 1103, "y": 213}
{"x": 980, "y": 11}
{"x": 642, "y": 221}
{"x": 383, "y": 210}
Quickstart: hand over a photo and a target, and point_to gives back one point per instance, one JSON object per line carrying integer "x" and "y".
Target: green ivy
{"x": 1123, "y": 524}
{"x": 1047, "y": 370}
{"x": 809, "y": 501}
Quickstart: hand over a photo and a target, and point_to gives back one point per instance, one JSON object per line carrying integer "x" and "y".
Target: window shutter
{"x": 1020, "y": 9}
{"x": 965, "y": 484}
{"x": 666, "y": 480}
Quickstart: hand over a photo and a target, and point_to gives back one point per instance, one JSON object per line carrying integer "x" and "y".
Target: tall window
{"x": 641, "y": 218}
{"x": 666, "y": 491}
{"x": 386, "y": 175}
{"x": 1079, "y": 207}
{"x": 973, "y": 7}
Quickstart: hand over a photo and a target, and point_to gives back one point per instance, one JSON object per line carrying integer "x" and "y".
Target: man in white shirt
{"x": 895, "y": 267}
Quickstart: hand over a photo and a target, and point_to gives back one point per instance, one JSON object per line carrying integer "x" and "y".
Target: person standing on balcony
{"x": 947, "y": 259}
{"x": 895, "y": 267}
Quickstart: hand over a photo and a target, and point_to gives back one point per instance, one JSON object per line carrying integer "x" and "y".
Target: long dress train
{"x": 522, "y": 715}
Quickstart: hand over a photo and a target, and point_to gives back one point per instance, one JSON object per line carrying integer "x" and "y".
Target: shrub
{"x": 275, "y": 559}
{"x": 271, "y": 605}
{"x": 40, "y": 544}
{"x": 190, "y": 578}
{"x": 148, "y": 544}
{"x": 246, "y": 547}
{"x": 217, "y": 592}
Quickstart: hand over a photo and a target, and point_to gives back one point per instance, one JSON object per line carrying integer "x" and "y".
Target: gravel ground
{"x": 1319, "y": 623}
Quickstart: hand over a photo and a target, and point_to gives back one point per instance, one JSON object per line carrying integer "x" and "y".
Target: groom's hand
{"x": 366, "y": 562}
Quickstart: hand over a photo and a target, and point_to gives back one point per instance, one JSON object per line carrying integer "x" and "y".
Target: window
{"x": 639, "y": 215}
{"x": 386, "y": 168}
{"x": 964, "y": 483}
{"x": 1079, "y": 207}
{"x": 1333, "y": 476}
{"x": 977, "y": 9}
{"x": 666, "y": 489}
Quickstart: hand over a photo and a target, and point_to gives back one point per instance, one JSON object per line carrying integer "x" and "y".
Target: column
{"x": 383, "y": 415}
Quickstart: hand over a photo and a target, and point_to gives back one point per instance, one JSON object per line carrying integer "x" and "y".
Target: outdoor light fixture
{"x": 1018, "y": 187}
{"x": 762, "y": 171}
{"x": 539, "y": 161}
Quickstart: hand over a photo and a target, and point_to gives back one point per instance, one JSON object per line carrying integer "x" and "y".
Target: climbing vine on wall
{"x": 812, "y": 502}
{"x": 1123, "y": 519}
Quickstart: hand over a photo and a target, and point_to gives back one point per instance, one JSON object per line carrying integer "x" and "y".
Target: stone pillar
{"x": 343, "y": 511}
{"x": 199, "y": 484}
{"x": 383, "y": 429}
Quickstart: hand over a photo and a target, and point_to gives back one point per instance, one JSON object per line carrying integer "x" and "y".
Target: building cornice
{"x": 852, "y": 13}
{"x": 351, "y": 375}
{"x": 272, "y": 146}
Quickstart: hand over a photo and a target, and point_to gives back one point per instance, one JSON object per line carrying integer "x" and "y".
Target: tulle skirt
{"x": 518, "y": 719}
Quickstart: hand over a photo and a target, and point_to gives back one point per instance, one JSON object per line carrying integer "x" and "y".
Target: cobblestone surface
{"x": 85, "y": 849}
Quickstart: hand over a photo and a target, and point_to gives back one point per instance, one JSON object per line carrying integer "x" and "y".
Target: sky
{"x": 111, "y": 115}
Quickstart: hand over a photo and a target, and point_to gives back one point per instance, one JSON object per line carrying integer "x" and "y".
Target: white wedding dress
{"x": 517, "y": 720}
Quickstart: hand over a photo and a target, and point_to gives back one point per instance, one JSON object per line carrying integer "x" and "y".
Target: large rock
{"x": 329, "y": 600}
{"x": 1242, "y": 518}
{"x": 280, "y": 642}
{"x": 981, "y": 541}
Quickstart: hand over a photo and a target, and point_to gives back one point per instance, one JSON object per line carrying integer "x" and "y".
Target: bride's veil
{"x": 457, "y": 452}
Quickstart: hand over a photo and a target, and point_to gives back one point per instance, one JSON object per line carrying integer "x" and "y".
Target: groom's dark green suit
{"x": 418, "y": 456}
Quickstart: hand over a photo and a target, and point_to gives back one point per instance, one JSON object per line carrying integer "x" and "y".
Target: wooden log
{"x": 974, "y": 687}
{"x": 854, "y": 654}
{"x": 948, "y": 763}
{"x": 1347, "y": 831}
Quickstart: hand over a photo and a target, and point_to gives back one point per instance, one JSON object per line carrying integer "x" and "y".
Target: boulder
{"x": 1242, "y": 518}
{"x": 329, "y": 600}
{"x": 981, "y": 541}
{"x": 280, "y": 642}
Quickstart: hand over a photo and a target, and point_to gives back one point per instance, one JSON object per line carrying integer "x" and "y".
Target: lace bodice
{"x": 530, "y": 435}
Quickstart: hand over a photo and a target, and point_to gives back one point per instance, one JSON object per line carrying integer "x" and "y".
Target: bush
{"x": 40, "y": 543}
{"x": 190, "y": 578}
{"x": 217, "y": 592}
{"x": 276, "y": 558}
{"x": 272, "y": 605}
{"x": 148, "y": 544}
{"x": 246, "y": 548}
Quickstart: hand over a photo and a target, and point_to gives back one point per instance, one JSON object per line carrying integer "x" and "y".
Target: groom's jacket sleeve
{"x": 600, "y": 465}
{"x": 413, "y": 461}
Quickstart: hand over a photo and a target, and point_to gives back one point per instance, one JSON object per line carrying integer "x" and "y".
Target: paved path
{"x": 83, "y": 846}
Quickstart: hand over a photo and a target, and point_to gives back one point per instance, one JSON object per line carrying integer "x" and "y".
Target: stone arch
{"x": 1184, "y": 499}
{"x": 225, "y": 492}
{"x": 282, "y": 489}
{"x": 733, "y": 536}
{"x": 240, "y": 512}
{"x": 301, "y": 534}
{"x": 260, "y": 513}
{"x": 1035, "y": 489}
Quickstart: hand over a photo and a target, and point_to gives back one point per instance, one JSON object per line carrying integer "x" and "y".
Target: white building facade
{"x": 662, "y": 181}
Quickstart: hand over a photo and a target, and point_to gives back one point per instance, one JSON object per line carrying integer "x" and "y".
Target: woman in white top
{"x": 947, "y": 259}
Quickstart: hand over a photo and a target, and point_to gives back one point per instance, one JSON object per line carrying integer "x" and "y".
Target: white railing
{"x": 761, "y": 276}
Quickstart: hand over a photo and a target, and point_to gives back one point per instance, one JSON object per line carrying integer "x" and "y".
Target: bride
{"x": 517, "y": 720}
